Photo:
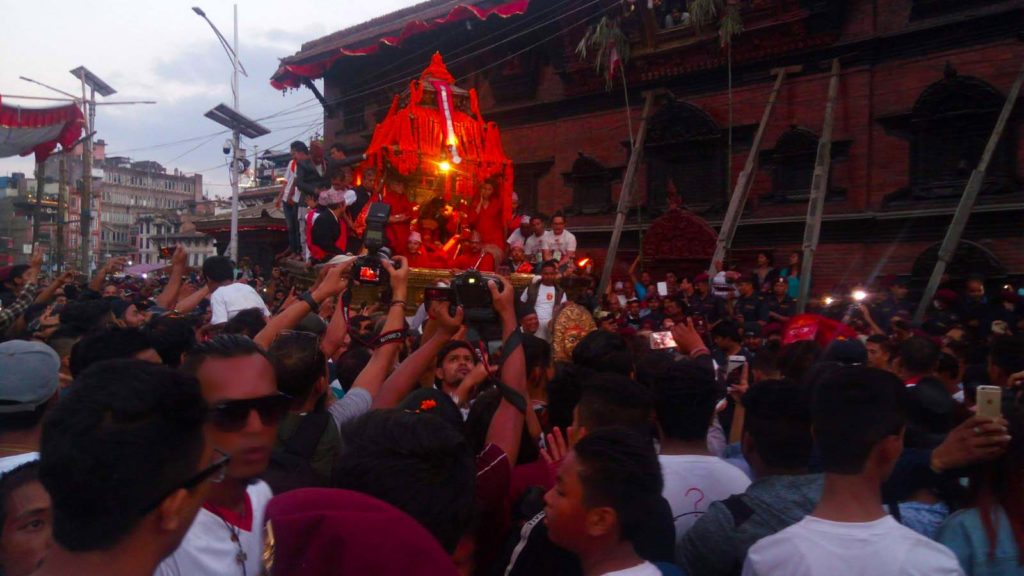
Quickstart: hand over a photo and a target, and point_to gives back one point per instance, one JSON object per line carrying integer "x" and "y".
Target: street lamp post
{"x": 234, "y": 120}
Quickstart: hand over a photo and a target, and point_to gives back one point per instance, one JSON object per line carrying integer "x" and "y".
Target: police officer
{"x": 747, "y": 307}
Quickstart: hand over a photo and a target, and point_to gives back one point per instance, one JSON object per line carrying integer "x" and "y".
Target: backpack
{"x": 291, "y": 462}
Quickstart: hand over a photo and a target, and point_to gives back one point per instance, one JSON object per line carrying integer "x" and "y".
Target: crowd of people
{"x": 198, "y": 424}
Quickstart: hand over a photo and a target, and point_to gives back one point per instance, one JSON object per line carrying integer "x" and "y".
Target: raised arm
{"x": 373, "y": 375}
{"x": 334, "y": 338}
{"x": 96, "y": 284}
{"x": 506, "y": 429}
{"x": 189, "y": 303}
{"x": 46, "y": 294}
{"x": 179, "y": 262}
{"x": 406, "y": 377}
{"x": 333, "y": 284}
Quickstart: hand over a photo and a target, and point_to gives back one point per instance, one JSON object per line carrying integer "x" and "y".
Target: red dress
{"x": 489, "y": 223}
{"x": 398, "y": 232}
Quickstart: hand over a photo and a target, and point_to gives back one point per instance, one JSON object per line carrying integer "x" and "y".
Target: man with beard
{"x": 238, "y": 383}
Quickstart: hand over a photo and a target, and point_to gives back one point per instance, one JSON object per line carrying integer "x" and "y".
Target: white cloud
{"x": 160, "y": 50}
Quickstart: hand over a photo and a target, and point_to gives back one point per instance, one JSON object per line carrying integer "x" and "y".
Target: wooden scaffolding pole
{"x": 819, "y": 188}
{"x": 746, "y": 178}
{"x": 627, "y": 190}
{"x": 963, "y": 210}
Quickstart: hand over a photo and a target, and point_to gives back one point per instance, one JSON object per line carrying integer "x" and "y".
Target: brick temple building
{"x": 921, "y": 85}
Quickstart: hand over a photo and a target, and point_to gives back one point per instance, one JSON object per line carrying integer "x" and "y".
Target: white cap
{"x": 620, "y": 286}
{"x": 415, "y": 237}
{"x": 524, "y": 220}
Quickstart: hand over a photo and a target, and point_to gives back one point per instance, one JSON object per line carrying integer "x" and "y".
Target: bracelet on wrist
{"x": 397, "y": 303}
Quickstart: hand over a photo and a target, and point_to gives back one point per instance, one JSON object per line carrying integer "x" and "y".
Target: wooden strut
{"x": 627, "y": 190}
{"x": 819, "y": 188}
{"x": 963, "y": 210}
{"x": 745, "y": 180}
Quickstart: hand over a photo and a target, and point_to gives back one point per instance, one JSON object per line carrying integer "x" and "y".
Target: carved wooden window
{"x": 792, "y": 163}
{"x": 949, "y": 128}
{"x": 685, "y": 156}
{"x": 527, "y": 183}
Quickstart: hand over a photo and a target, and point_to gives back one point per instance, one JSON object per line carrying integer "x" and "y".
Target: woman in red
{"x": 485, "y": 216}
{"x": 397, "y": 230}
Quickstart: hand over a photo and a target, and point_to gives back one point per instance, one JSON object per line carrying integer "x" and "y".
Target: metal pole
{"x": 627, "y": 188}
{"x": 963, "y": 210}
{"x": 233, "y": 167}
{"x": 819, "y": 188}
{"x": 744, "y": 182}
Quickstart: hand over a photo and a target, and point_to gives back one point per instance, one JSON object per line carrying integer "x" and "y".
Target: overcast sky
{"x": 160, "y": 50}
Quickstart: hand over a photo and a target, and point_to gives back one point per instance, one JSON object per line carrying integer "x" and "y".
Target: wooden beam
{"x": 819, "y": 188}
{"x": 746, "y": 178}
{"x": 963, "y": 210}
{"x": 627, "y": 189}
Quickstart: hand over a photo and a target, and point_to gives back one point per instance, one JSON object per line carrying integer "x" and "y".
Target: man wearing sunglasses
{"x": 126, "y": 464}
{"x": 238, "y": 383}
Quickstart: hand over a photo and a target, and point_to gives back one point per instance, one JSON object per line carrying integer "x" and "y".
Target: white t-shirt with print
{"x": 560, "y": 245}
{"x": 545, "y": 307}
{"x": 534, "y": 245}
{"x": 882, "y": 547}
{"x": 693, "y": 482}
{"x": 208, "y": 549}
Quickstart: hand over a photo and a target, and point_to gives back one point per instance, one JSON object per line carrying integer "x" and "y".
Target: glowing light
{"x": 582, "y": 262}
{"x": 859, "y": 295}
{"x": 829, "y": 300}
{"x": 452, "y": 140}
{"x": 145, "y": 276}
{"x": 444, "y": 166}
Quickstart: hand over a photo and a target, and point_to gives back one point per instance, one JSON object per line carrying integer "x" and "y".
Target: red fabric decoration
{"x": 291, "y": 75}
{"x": 815, "y": 327}
{"x": 39, "y": 130}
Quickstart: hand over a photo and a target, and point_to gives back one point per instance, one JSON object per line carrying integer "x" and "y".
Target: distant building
{"x": 156, "y": 231}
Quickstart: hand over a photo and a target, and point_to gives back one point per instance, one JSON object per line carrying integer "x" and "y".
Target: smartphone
{"x": 663, "y": 288}
{"x": 989, "y": 400}
{"x": 735, "y": 363}
{"x": 166, "y": 252}
{"x": 662, "y": 340}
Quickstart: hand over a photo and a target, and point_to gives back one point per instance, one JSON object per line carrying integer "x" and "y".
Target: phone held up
{"x": 990, "y": 401}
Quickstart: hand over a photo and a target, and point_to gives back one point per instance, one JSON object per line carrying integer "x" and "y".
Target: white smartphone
{"x": 662, "y": 340}
{"x": 735, "y": 362}
{"x": 663, "y": 288}
{"x": 989, "y": 401}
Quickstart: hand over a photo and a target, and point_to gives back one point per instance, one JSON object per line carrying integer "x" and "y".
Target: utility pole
{"x": 232, "y": 118}
{"x": 819, "y": 188}
{"x": 37, "y": 212}
{"x": 85, "y": 211}
{"x": 62, "y": 204}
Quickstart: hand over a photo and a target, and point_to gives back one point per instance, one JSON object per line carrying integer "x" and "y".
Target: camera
{"x": 472, "y": 293}
{"x": 368, "y": 269}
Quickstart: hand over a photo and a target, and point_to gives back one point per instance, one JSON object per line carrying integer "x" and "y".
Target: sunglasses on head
{"x": 214, "y": 473}
{"x": 231, "y": 415}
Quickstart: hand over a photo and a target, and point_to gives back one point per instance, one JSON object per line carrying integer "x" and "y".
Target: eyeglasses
{"x": 214, "y": 473}
{"x": 231, "y": 415}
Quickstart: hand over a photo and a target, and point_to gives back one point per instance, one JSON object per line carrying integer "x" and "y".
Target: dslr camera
{"x": 368, "y": 269}
{"x": 470, "y": 291}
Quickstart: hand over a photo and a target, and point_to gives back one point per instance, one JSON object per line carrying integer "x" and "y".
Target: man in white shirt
{"x": 127, "y": 466}
{"x": 238, "y": 383}
{"x": 604, "y": 492}
{"x": 522, "y": 233}
{"x": 289, "y": 200}
{"x": 685, "y": 398}
{"x": 228, "y": 298}
{"x": 534, "y": 244}
{"x": 559, "y": 244}
{"x": 544, "y": 296}
{"x": 29, "y": 379}
{"x": 859, "y": 420}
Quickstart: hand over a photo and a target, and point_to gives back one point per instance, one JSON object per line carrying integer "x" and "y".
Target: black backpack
{"x": 291, "y": 462}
